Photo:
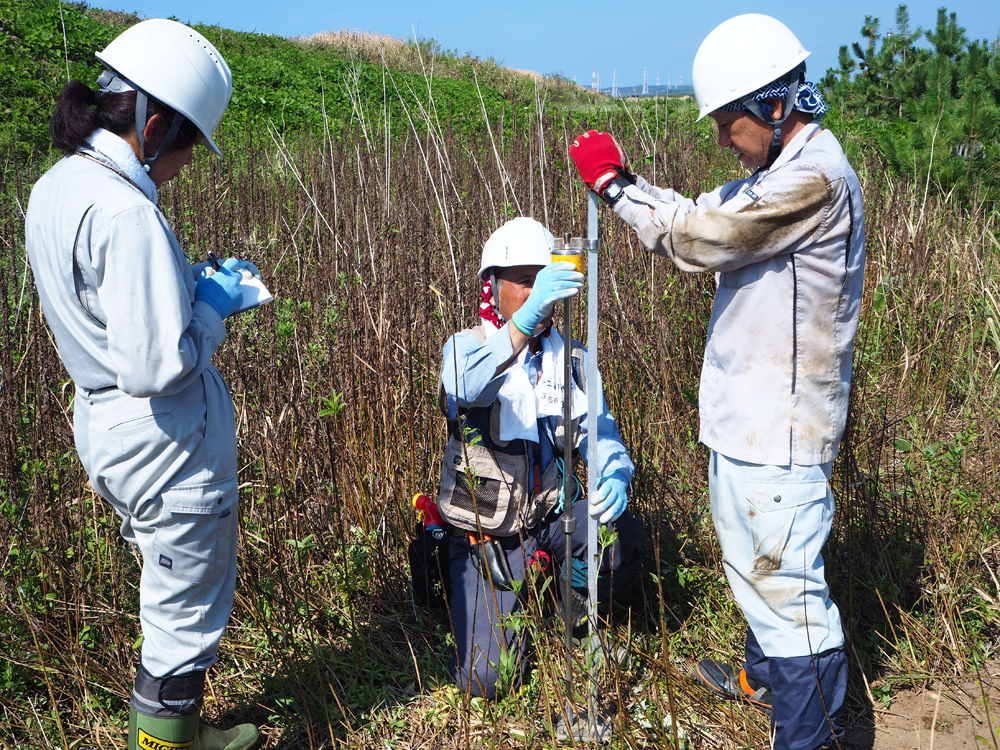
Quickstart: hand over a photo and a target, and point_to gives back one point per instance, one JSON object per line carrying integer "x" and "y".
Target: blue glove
{"x": 246, "y": 265}
{"x": 221, "y": 289}
{"x": 554, "y": 282}
{"x": 612, "y": 497}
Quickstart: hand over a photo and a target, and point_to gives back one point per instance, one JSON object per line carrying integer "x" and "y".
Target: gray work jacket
{"x": 787, "y": 246}
{"x": 116, "y": 287}
{"x": 153, "y": 419}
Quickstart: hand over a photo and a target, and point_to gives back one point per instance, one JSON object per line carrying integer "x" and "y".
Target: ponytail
{"x": 80, "y": 111}
{"x": 74, "y": 117}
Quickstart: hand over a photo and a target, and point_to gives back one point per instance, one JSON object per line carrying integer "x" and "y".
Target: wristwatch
{"x": 614, "y": 190}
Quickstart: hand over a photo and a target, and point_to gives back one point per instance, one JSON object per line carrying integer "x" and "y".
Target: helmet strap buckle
{"x": 141, "y": 101}
{"x": 764, "y": 112}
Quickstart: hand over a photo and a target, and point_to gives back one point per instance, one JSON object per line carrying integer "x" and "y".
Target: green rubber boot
{"x": 187, "y": 733}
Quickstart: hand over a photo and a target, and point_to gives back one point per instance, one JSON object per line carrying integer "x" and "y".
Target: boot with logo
{"x": 166, "y": 712}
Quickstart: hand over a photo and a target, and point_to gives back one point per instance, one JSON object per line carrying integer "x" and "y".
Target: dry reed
{"x": 369, "y": 238}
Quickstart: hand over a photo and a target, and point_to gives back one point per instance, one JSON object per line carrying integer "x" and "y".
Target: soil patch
{"x": 942, "y": 716}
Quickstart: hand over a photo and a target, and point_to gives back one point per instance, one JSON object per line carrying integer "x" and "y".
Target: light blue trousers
{"x": 772, "y": 523}
{"x": 167, "y": 465}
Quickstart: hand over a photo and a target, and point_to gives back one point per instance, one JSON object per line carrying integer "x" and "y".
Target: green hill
{"x": 290, "y": 82}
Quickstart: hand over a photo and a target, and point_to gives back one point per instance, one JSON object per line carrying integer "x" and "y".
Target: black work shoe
{"x": 755, "y": 692}
{"x": 722, "y": 680}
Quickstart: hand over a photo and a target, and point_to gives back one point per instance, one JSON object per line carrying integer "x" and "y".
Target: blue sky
{"x": 570, "y": 38}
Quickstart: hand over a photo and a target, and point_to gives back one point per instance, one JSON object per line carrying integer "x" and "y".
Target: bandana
{"x": 486, "y": 309}
{"x": 491, "y": 314}
{"x": 808, "y": 99}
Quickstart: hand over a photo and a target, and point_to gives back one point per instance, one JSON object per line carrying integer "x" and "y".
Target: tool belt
{"x": 490, "y": 559}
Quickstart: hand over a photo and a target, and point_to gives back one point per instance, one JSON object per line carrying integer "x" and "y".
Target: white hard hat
{"x": 175, "y": 65}
{"x": 741, "y": 55}
{"x": 519, "y": 242}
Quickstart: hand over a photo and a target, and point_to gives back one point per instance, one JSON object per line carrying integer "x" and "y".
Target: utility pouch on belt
{"x": 430, "y": 568}
{"x": 482, "y": 488}
{"x": 491, "y": 562}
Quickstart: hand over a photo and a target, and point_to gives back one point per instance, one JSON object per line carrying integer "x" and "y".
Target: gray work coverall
{"x": 153, "y": 419}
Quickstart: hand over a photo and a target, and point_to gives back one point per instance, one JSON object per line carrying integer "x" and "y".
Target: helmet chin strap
{"x": 764, "y": 111}
{"x": 141, "y": 101}
{"x": 112, "y": 83}
{"x": 496, "y": 297}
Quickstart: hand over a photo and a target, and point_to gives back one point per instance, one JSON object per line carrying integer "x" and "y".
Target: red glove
{"x": 598, "y": 159}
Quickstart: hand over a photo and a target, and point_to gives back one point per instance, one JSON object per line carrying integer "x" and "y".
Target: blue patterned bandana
{"x": 808, "y": 99}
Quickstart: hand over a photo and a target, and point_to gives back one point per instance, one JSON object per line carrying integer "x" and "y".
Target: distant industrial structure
{"x": 678, "y": 89}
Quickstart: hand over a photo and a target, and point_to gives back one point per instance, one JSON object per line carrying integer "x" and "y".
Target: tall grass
{"x": 369, "y": 236}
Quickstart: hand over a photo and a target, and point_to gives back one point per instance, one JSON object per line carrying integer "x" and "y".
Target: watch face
{"x": 613, "y": 192}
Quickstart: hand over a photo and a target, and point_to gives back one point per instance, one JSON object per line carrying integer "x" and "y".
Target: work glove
{"x": 247, "y": 267}
{"x": 199, "y": 268}
{"x": 554, "y": 282}
{"x": 243, "y": 265}
{"x": 221, "y": 289}
{"x": 599, "y": 160}
{"x": 611, "y": 499}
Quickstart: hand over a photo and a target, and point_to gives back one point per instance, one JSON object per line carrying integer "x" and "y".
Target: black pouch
{"x": 491, "y": 562}
{"x": 430, "y": 569}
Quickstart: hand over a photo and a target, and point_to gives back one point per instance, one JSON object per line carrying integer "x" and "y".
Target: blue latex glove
{"x": 199, "y": 268}
{"x": 612, "y": 497}
{"x": 221, "y": 289}
{"x": 554, "y": 282}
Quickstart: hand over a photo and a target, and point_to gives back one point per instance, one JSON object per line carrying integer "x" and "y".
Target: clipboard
{"x": 255, "y": 293}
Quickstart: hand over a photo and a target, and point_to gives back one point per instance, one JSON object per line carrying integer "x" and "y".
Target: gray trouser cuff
{"x": 168, "y": 697}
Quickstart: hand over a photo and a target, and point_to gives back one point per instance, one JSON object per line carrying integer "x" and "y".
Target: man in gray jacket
{"x": 787, "y": 247}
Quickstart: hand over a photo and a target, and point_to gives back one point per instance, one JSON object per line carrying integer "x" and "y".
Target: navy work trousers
{"x": 807, "y": 693}
{"x": 486, "y": 650}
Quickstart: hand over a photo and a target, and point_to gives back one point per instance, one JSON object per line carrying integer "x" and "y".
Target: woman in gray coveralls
{"x": 136, "y": 327}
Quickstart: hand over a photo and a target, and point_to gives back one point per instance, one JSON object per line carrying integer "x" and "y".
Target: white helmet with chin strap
{"x": 174, "y": 64}
{"x": 519, "y": 242}
{"x": 739, "y": 57}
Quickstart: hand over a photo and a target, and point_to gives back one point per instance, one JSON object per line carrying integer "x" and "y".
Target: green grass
{"x": 370, "y": 240}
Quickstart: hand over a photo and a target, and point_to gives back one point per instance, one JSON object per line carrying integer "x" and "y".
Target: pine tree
{"x": 935, "y": 113}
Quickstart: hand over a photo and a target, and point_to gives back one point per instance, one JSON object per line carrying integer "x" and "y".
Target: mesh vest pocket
{"x": 487, "y": 494}
{"x": 482, "y": 489}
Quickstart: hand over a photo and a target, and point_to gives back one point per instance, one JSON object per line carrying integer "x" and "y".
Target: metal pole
{"x": 561, "y": 251}
{"x": 568, "y": 522}
{"x": 594, "y": 390}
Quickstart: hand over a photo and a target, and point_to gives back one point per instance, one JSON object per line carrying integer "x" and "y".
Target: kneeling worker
{"x": 501, "y": 476}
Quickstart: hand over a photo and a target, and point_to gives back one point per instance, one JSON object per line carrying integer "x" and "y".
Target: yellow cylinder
{"x": 573, "y": 252}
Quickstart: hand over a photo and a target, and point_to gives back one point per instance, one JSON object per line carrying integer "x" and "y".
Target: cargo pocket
{"x": 196, "y": 534}
{"x": 786, "y": 522}
{"x": 481, "y": 492}
{"x": 140, "y": 425}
